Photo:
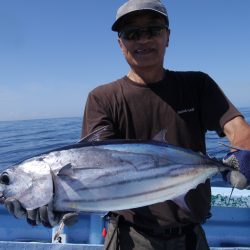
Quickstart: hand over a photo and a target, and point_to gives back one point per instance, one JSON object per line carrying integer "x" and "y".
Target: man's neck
{"x": 142, "y": 77}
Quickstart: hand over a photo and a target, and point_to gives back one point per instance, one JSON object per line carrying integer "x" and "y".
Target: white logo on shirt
{"x": 185, "y": 111}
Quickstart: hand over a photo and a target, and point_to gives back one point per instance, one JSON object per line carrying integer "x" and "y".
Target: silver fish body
{"x": 107, "y": 176}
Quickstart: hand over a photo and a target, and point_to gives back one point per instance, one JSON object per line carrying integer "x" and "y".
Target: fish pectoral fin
{"x": 66, "y": 170}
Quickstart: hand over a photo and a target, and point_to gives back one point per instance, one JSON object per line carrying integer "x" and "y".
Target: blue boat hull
{"x": 228, "y": 228}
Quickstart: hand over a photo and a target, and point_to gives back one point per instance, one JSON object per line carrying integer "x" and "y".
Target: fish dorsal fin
{"x": 94, "y": 136}
{"x": 66, "y": 170}
{"x": 161, "y": 136}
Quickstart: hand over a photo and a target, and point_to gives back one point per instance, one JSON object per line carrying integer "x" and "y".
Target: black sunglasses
{"x": 136, "y": 33}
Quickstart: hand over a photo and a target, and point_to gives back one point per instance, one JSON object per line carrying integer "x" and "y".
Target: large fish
{"x": 100, "y": 176}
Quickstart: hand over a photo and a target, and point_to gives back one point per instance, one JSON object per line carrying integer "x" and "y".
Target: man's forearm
{"x": 238, "y": 132}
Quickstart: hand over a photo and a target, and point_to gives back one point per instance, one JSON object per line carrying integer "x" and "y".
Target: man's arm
{"x": 237, "y": 131}
{"x": 97, "y": 114}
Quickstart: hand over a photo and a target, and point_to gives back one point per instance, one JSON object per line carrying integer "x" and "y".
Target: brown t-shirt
{"x": 186, "y": 104}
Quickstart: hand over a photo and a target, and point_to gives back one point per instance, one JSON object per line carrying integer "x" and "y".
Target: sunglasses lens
{"x": 130, "y": 34}
{"x": 136, "y": 33}
{"x": 155, "y": 31}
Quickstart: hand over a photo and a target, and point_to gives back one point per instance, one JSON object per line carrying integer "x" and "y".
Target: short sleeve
{"x": 96, "y": 115}
{"x": 216, "y": 108}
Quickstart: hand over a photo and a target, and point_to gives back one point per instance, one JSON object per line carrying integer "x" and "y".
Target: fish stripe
{"x": 169, "y": 174}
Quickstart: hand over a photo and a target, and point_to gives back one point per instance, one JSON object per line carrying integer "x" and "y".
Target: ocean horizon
{"x": 21, "y": 139}
{"x": 245, "y": 110}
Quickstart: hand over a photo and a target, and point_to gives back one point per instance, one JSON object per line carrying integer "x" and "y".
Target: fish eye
{"x": 5, "y": 179}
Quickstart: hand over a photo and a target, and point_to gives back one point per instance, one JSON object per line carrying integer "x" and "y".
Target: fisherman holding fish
{"x": 148, "y": 100}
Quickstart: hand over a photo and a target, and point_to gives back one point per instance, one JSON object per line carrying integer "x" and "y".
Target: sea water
{"x": 22, "y": 139}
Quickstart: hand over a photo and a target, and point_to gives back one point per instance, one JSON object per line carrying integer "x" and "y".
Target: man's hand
{"x": 43, "y": 215}
{"x": 240, "y": 160}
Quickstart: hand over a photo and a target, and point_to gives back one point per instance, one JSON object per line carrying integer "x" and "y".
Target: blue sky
{"x": 53, "y": 52}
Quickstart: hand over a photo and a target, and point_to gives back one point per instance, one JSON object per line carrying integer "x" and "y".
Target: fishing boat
{"x": 228, "y": 228}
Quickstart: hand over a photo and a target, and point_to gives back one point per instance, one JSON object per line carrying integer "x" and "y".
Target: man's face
{"x": 143, "y": 50}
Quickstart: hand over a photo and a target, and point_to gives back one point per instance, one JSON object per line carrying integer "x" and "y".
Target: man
{"x": 141, "y": 104}
{"x": 147, "y": 100}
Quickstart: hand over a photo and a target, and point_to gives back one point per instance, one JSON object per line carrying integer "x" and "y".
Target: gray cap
{"x": 132, "y": 6}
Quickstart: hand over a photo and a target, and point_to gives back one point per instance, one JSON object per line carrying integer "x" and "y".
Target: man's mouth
{"x": 144, "y": 51}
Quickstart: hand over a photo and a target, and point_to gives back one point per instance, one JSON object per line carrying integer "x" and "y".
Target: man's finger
{"x": 33, "y": 217}
{"x": 14, "y": 207}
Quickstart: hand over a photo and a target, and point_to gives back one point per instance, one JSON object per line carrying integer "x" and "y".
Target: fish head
{"x": 30, "y": 182}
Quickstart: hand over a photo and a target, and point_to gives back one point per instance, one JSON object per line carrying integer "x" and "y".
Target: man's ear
{"x": 168, "y": 35}
{"x": 119, "y": 42}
